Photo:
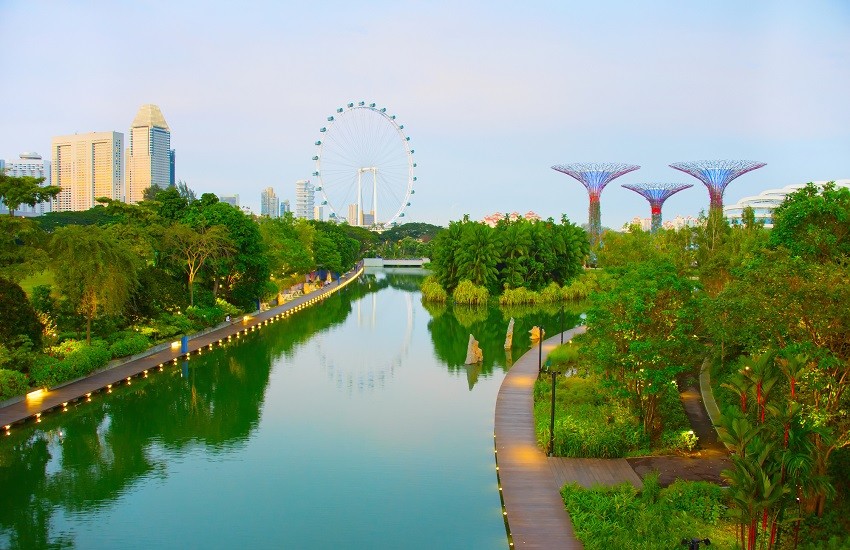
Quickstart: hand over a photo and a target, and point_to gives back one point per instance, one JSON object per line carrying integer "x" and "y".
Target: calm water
{"x": 350, "y": 425}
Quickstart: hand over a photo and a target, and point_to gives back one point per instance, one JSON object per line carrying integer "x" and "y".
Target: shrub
{"x": 517, "y": 296}
{"x": 129, "y": 345}
{"x": 468, "y": 293}
{"x": 699, "y": 499}
{"x": 12, "y": 384}
{"x": 17, "y": 316}
{"x": 432, "y": 291}
{"x": 550, "y": 294}
{"x": 49, "y": 371}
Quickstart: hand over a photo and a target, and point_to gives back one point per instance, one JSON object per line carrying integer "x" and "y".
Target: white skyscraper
{"x": 149, "y": 154}
{"x": 305, "y": 195}
{"x": 269, "y": 203}
{"x": 87, "y": 167}
{"x": 32, "y": 165}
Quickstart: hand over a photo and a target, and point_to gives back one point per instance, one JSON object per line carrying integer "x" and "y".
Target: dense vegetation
{"x": 515, "y": 254}
{"x": 126, "y": 276}
{"x": 769, "y": 310}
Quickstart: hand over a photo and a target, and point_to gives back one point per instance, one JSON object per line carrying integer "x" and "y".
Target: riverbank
{"x": 36, "y": 403}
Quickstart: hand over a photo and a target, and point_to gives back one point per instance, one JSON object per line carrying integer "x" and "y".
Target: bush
{"x": 17, "y": 316}
{"x": 468, "y": 293}
{"x": 550, "y": 294}
{"x": 129, "y": 345}
{"x": 699, "y": 499}
{"x": 432, "y": 291}
{"x": 517, "y": 296}
{"x": 49, "y": 371}
{"x": 12, "y": 384}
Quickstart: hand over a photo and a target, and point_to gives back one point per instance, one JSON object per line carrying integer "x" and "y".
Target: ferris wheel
{"x": 364, "y": 166}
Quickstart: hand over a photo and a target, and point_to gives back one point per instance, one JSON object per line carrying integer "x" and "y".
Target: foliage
{"x": 414, "y": 230}
{"x": 588, "y": 282}
{"x": 12, "y": 384}
{"x": 95, "y": 271}
{"x": 814, "y": 224}
{"x": 432, "y": 291}
{"x": 17, "y": 316}
{"x": 514, "y": 253}
{"x": 50, "y": 371}
{"x": 129, "y": 345}
{"x": 642, "y": 335}
{"x": 468, "y": 293}
{"x": 18, "y": 190}
{"x": 620, "y": 517}
{"x": 517, "y": 296}
{"x": 193, "y": 249}
{"x": 20, "y": 248}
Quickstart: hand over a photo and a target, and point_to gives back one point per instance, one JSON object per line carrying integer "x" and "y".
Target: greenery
{"x": 513, "y": 254}
{"x": 468, "y": 293}
{"x": 12, "y": 383}
{"x": 622, "y": 517}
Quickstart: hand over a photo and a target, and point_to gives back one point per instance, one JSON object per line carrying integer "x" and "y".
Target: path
{"x": 534, "y": 511}
{"x": 58, "y": 398}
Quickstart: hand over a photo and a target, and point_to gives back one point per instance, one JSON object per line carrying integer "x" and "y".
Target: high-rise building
{"x": 269, "y": 203}
{"x": 87, "y": 167}
{"x": 32, "y": 165}
{"x": 305, "y": 196}
{"x": 318, "y": 213}
{"x": 352, "y": 215}
{"x": 232, "y": 200}
{"x": 284, "y": 207}
{"x": 150, "y": 159}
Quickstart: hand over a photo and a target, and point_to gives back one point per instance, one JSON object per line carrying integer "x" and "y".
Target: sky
{"x": 492, "y": 94}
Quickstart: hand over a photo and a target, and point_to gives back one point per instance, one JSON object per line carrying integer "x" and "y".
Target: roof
{"x": 149, "y": 115}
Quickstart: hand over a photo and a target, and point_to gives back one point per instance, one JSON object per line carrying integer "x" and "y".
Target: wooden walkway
{"x": 534, "y": 511}
{"x": 530, "y": 481}
{"x": 33, "y": 406}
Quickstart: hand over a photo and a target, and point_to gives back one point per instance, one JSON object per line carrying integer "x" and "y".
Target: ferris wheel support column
{"x": 374, "y": 196}
{"x": 359, "y": 198}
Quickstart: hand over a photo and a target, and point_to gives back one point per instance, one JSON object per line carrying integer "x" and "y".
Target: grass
{"x": 38, "y": 279}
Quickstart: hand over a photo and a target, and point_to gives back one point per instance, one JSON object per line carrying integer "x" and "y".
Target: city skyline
{"x": 492, "y": 94}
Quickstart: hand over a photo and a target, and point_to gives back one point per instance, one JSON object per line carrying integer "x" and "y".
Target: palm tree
{"x": 478, "y": 255}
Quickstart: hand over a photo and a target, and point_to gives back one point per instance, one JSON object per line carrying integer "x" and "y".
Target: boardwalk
{"x": 35, "y": 406}
{"x": 529, "y": 480}
{"x": 535, "y": 513}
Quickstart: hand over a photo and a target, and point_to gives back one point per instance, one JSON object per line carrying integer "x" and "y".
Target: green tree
{"x": 95, "y": 271}
{"x": 642, "y": 334}
{"x": 193, "y": 249}
{"x": 814, "y": 223}
{"x": 515, "y": 238}
{"x": 18, "y": 190}
{"x": 21, "y": 248}
{"x": 478, "y": 255}
{"x": 17, "y": 316}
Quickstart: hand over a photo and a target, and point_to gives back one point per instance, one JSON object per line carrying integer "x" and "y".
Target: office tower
{"x": 32, "y": 165}
{"x": 305, "y": 194}
{"x": 269, "y": 203}
{"x": 284, "y": 207}
{"x": 150, "y": 160}
{"x": 87, "y": 167}
{"x": 318, "y": 213}
{"x": 232, "y": 200}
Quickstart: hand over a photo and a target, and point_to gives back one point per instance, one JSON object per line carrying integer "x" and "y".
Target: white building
{"x": 766, "y": 202}
{"x": 32, "y": 165}
{"x": 269, "y": 203}
{"x": 305, "y": 198}
{"x": 87, "y": 167}
{"x": 232, "y": 200}
{"x": 150, "y": 159}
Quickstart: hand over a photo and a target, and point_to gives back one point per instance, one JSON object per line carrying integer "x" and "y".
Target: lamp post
{"x": 552, "y": 416}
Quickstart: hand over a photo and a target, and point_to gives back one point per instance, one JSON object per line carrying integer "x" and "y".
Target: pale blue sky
{"x": 491, "y": 93}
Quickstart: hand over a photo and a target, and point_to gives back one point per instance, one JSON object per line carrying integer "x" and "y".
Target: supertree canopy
{"x": 656, "y": 194}
{"x": 716, "y": 175}
{"x": 595, "y": 176}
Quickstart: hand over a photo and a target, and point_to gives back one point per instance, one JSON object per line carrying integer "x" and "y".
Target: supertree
{"x": 656, "y": 194}
{"x": 716, "y": 175}
{"x": 595, "y": 176}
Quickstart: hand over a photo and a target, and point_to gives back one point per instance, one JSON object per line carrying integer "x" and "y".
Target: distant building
{"x": 32, "y": 165}
{"x": 87, "y": 167}
{"x": 352, "y": 215}
{"x": 766, "y": 202}
{"x": 675, "y": 224}
{"x": 232, "y": 200}
{"x": 284, "y": 207}
{"x": 269, "y": 203}
{"x": 494, "y": 218}
{"x": 318, "y": 213}
{"x": 305, "y": 197}
{"x": 150, "y": 159}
